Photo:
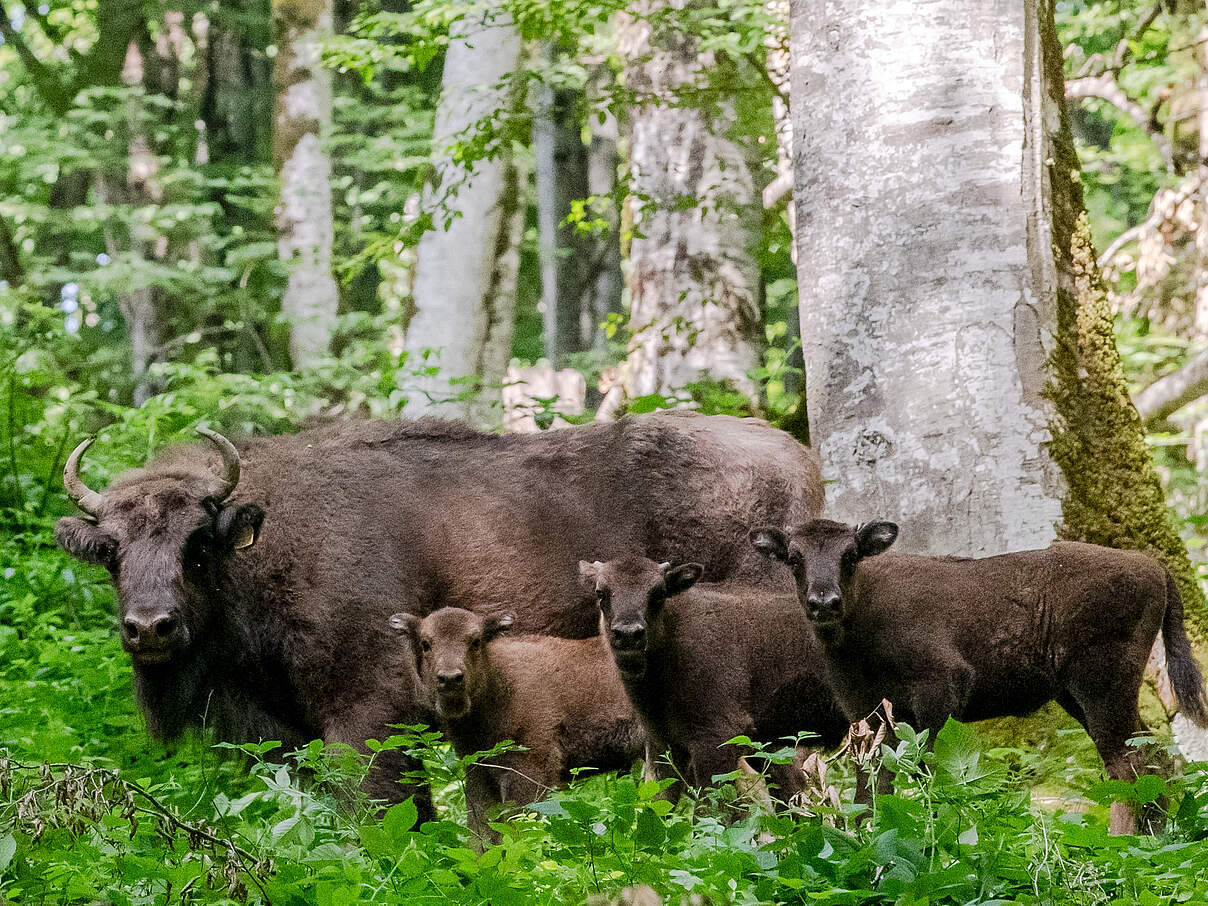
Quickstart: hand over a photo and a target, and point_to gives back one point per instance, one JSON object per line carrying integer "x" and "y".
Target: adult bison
{"x": 256, "y": 584}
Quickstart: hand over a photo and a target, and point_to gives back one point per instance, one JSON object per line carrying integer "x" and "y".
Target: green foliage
{"x": 957, "y": 828}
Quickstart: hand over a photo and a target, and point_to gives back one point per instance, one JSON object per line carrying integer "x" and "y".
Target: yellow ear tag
{"x": 245, "y": 538}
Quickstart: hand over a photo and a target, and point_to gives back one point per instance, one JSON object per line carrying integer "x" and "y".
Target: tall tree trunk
{"x": 693, "y": 282}
{"x": 927, "y": 282}
{"x": 462, "y": 321}
{"x": 603, "y": 294}
{"x": 139, "y": 187}
{"x": 962, "y": 374}
{"x": 1201, "y": 233}
{"x": 546, "y": 178}
{"x": 306, "y": 228}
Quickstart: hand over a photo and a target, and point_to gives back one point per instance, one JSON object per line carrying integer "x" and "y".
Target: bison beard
{"x": 280, "y": 630}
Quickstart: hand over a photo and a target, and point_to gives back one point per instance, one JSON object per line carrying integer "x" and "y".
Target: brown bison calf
{"x": 702, "y": 665}
{"x": 974, "y": 639}
{"x": 560, "y": 699}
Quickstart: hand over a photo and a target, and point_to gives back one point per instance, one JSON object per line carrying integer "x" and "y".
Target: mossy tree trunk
{"x": 962, "y": 371}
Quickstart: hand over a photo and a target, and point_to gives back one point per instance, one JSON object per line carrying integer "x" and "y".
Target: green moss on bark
{"x": 1114, "y": 495}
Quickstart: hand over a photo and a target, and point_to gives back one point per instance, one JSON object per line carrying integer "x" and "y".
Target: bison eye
{"x": 475, "y": 644}
{"x": 425, "y": 645}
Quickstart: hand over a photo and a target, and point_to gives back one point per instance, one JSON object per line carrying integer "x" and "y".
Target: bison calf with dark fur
{"x": 703, "y": 664}
{"x": 255, "y": 583}
{"x": 560, "y": 699}
{"x": 947, "y": 637}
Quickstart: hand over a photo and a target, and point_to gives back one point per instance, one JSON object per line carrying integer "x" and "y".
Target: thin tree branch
{"x": 45, "y": 81}
{"x": 1105, "y": 87}
{"x": 1132, "y": 233}
{"x": 1124, "y": 47}
{"x": 779, "y": 187}
{"x": 1167, "y": 395}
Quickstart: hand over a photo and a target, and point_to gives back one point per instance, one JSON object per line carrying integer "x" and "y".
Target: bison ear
{"x": 589, "y": 574}
{"x": 239, "y": 527}
{"x": 85, "y": 541}
{"x": 874, "y": 538}
{"x": 492, "y": 626}
{"x": 681, "y": 578}
{"x": 773, "y": 543}
{"x": 406, "y": 623}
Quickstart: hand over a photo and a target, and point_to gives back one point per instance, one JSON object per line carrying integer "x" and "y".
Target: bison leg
{"x": 660, "y": 765}
{"x": 525, "y": 780}
{"x": 482, "y": 803}
{"x": 1106, "y": 691}
{"x": 384, "y": 781}
{"x": 944, "y": 694}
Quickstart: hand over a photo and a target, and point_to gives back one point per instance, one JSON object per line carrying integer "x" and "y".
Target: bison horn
{"x": 88, "y": 500}
{"x": 230, "y": 463}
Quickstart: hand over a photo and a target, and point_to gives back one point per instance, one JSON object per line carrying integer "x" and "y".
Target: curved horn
{"x": 88, "y": 500}
{"x": 230, "y": 463}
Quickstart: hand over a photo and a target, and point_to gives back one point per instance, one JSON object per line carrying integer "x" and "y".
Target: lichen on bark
{"x": 1114, "y": 495}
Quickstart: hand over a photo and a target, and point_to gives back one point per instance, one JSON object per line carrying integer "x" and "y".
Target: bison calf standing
{"x": 702, "y": 665}
{"x": 973, "y": 639}
{"x": 560, "y": 699}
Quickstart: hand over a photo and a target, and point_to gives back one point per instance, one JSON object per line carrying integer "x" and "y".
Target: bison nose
{"x": 824, "y": 605}
{"x": 631, "y": 635}
{"x": 448, "y": 682}
{"x": 149, "y": 631}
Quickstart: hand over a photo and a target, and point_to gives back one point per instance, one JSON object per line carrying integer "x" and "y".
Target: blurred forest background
{"x": 253, "y": 213}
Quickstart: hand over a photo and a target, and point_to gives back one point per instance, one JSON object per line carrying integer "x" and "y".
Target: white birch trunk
{"x": 692, "y": 280}
{"x": 927, "y": 280}
{"x": 305, "y": 223}
{"x": 462, "y": 321}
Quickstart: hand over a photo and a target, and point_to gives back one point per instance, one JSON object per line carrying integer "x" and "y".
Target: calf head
{"x": 164, "y": 536}
{"x": 450, "y": 649}
{"x": 631, "y": 593}
{"x": 823, "y": 556}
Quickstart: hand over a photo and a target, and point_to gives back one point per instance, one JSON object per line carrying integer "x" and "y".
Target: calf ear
{"x": 681, "y": 578}
{"x": 239, "y": 527}
{"x": 874, "y": 538}
{"x": 85, "y": 541}
{"x": 589, "y": 574}
{"x": 773, "y": 543}
{"x": 405, "y": 623}
{"x": 492, "y": 626}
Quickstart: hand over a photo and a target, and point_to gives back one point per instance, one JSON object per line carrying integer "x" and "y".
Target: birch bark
{"x": 305, "y": 222}
{"x": 465, "y": 276}
{"x": 927, "y": 278}
{"x": 693, "y": 283}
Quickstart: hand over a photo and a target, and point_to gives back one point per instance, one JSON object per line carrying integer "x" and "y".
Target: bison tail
{"x": 1181, "y": 666}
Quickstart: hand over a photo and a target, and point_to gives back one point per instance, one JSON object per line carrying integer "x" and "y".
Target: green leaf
{"x": 399, "y": 820}
{"x": 8, "y": 849}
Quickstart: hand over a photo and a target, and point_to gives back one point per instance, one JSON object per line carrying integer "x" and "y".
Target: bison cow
{"x": 944, "y": 637}
{"x": 255, "y": 583}
{"x": 703, "y": 664}
{"x": 560, "y": 699}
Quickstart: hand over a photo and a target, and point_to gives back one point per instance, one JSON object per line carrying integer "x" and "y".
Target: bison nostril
{"x": 164, "y": 627}
{"x": 825, "y": 605}
{"x": 628, "y": 636}
{"x": 449, "y": 680}
{"x": 131, "y": 629}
